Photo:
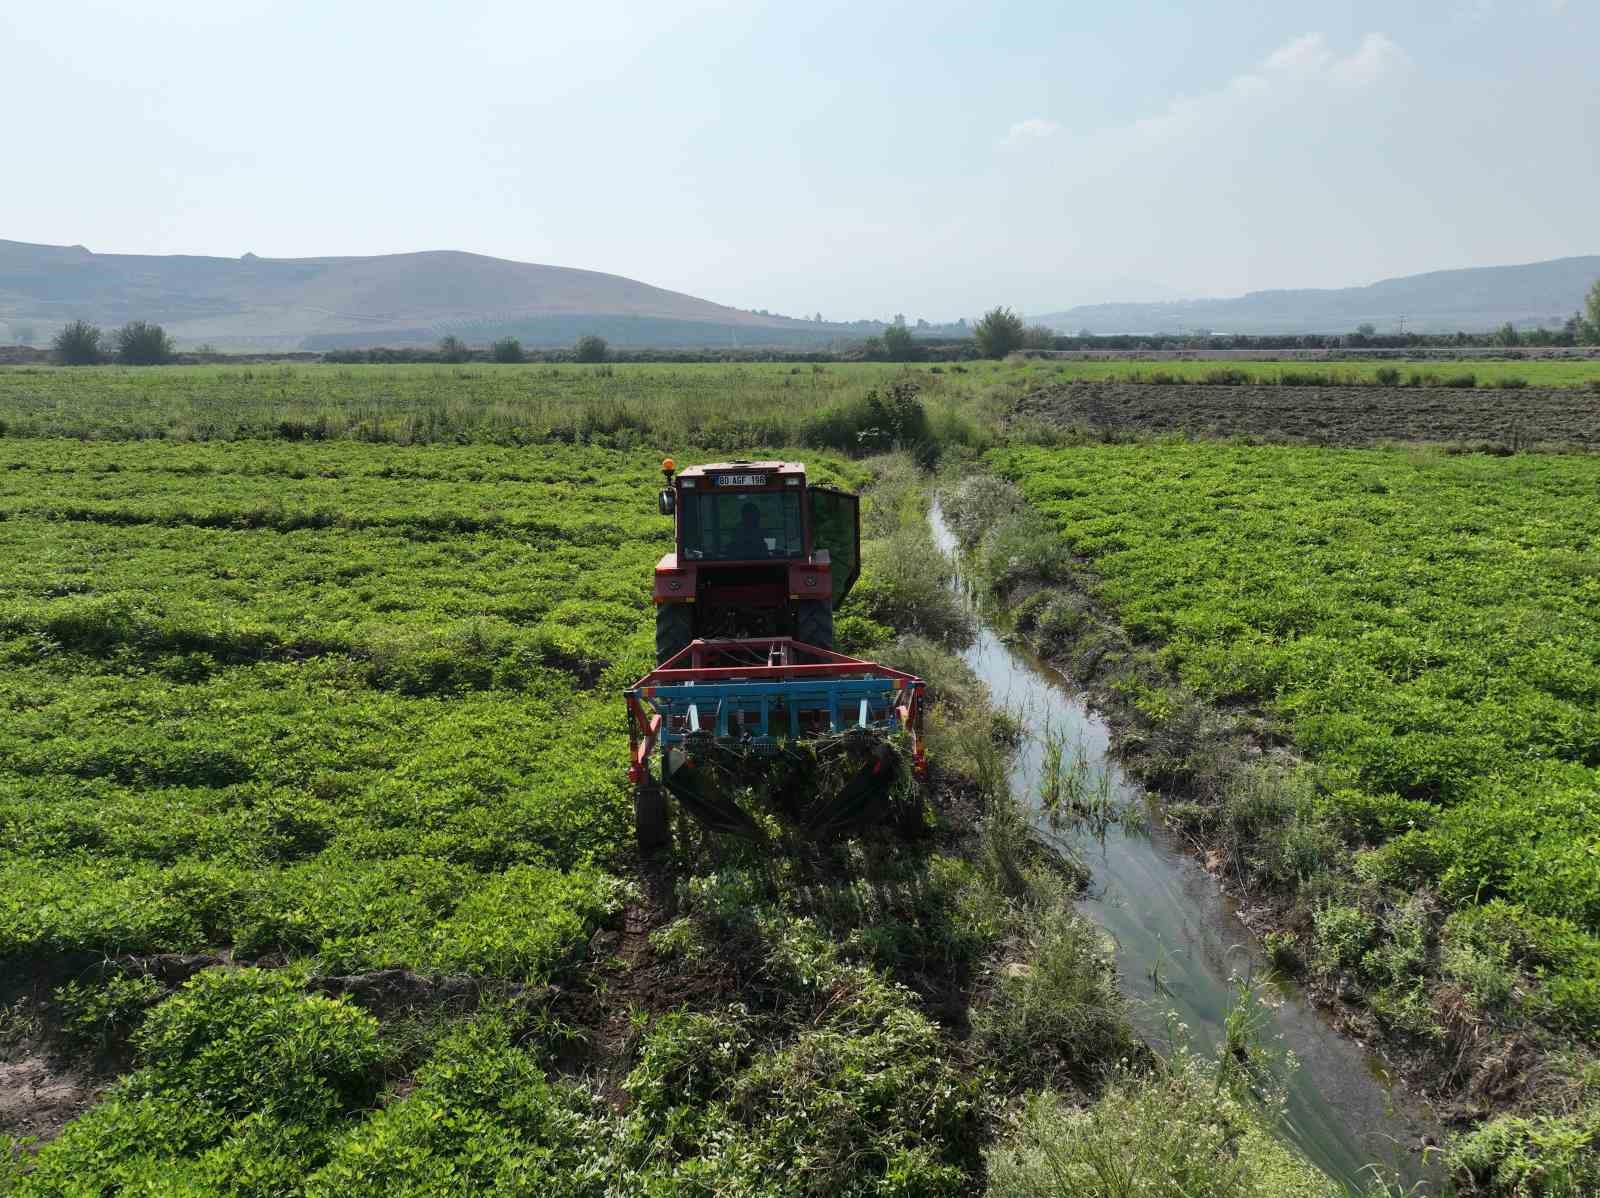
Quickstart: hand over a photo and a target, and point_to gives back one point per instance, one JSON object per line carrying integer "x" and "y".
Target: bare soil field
{"x": 1324, "y": 415}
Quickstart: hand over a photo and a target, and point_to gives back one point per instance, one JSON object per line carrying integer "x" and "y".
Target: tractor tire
{"x": 674, "y": 629}
{"x": 813, "y": 622}
{"x": 650, "y": 825}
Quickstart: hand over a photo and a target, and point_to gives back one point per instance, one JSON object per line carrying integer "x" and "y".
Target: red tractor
{"x": 748, "y": 693}
{"x": 758, "y": 553}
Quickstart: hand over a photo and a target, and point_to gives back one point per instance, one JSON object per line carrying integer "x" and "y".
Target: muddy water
{"x": 1180, "y": 945}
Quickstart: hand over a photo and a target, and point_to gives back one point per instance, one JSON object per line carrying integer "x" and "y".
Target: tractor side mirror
{"x": 667, "y": 502}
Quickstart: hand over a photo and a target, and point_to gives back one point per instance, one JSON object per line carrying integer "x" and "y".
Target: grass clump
{"x": 906, "y": 583}
{"x": 1055, "y": 1012}
{"x": 1176, "y": 1133}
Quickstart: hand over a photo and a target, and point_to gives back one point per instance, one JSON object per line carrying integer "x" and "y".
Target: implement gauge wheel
{"x": 813, "y": 622}
{"x": 674, "y": 629}
{"x": 650, "y": 824}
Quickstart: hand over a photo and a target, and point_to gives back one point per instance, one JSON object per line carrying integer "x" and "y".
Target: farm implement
{"x": 749, "y": 702}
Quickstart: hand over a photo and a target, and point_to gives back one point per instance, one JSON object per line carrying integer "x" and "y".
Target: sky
{"x": 857, "y": 159}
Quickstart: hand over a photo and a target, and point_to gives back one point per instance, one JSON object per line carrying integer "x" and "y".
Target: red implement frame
{"x": 763, "y": 659}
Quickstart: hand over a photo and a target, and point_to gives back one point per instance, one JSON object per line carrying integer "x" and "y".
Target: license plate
{"x": 741, "y": 480}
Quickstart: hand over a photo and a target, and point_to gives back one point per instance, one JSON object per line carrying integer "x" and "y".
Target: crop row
{"x": 383, "y": 738}
{"x": 1427, "y": 626}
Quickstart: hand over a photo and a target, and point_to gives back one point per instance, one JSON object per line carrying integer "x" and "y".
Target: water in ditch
{"x": 1180, "y": 945}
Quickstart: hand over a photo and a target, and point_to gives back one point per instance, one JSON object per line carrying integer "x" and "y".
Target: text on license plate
{"x": 741, "y": 480}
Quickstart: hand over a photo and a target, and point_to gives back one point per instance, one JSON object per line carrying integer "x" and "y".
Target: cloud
{"x": 1305, "y": 62}
{"x": 1306, "y": 56}
{"x": 1377, "y": 56}
{"x": 1025, "y": 133}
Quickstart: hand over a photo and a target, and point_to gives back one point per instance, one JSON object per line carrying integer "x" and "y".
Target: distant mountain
{"x": 392, "y": 299}
{"x": 1442, "y": 301}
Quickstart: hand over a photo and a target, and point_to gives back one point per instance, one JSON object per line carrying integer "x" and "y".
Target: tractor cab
{"x": 758, "y": 552}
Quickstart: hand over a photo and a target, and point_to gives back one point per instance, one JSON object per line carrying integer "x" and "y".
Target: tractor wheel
{"x": 650, "y": 824}
{"x": 813, "y": 623}
{"x": 674, "y": 629}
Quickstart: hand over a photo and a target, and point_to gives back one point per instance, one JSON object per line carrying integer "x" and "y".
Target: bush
{"x": 77, "y": 345}
{"x": 1344, "y": 933}
{"x": 250, "y": 1040}
{"x": 1058, "y": 622}
{"x": 1511, "y": 382}
{"x": 899, "y": 345}
{"x": 1306, "y": 378}
{"x": 906, "y": 585}
{"x": 93, "y": 1016}
{"x": 1023, "y": 547}
{"x": 1544, "y": 1155}
{"x": 976, "y": 504}
{"x": 453, "y": 349}
{"x": 1387, "y": 376}
{"x": 1480, "y": 964}
{"x": 1038, "y": 336}
{"x": 507, "y": 350}
{"x": 872, "y": 423}
{"x": 142, "y": 344}
{"x": 591, "y": 348}
{"x": 998, "y": 332}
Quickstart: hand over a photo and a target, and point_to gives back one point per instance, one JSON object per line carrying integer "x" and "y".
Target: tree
{"x": 140, "y": 343}
{"x": 1591, "y": 302}
{"x": 1038, "y": 336}
{"x": 998, "y": 332}
{"x": 1507, "y": 335}
{"x": 507, "y": 349}
{"x": 77, "y": 345}
{"x": 1367, "y": 329}
{"x": 898, "y": 344}
{"x": 452, "y": 349}
{"x": 591, "y": 347}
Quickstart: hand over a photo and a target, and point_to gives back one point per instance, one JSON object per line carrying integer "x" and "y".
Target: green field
{"x": 304, "y": 705}
{"x": 1426, "y": 627}
{"x": 727, "y": 407}
{"x": 310, "y": 682}
{"x": 718, "y": 406}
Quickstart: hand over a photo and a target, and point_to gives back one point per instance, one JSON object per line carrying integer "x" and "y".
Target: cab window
{"x": 735, "y": 526}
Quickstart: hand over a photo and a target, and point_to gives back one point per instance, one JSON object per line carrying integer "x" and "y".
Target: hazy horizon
{"x": 932, "y": 159}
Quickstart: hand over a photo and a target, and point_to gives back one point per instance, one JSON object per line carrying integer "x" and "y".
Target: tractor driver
{"x": 747, "y": 541}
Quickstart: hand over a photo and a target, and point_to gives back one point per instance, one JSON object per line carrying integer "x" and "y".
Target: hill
{"x": 1475, "y": 300}
{"x": 391, "y": 299}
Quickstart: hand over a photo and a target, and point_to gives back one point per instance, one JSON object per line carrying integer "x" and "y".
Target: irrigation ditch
{"x": 1184, "y": 957}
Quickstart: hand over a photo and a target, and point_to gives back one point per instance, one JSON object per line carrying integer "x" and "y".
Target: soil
{"x": 38, "y": 1095}
{"x": 1481, "y": 418}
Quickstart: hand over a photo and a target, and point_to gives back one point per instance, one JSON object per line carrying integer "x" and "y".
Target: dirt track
{"x": 1325, "y": 415}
